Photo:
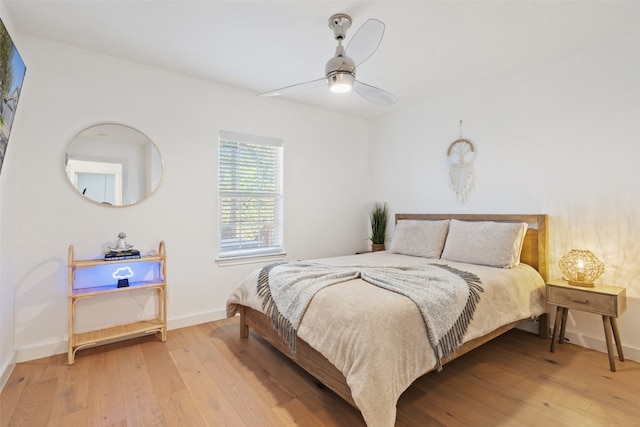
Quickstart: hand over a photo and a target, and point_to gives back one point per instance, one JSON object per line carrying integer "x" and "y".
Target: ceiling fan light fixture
{"x": 340, "y": 70}
{"x": 340, "y": 82}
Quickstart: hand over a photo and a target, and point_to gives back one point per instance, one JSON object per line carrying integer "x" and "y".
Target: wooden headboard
{"x": 534, "y": 250}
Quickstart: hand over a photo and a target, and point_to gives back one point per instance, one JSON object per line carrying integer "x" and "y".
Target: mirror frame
{"x": 136, "y": 156}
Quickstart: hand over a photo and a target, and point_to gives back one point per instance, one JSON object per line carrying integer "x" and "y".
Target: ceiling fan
{"x": 340, "y": 71}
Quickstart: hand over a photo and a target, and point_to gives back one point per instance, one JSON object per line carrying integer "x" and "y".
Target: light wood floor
{"x": 206, "y": 375}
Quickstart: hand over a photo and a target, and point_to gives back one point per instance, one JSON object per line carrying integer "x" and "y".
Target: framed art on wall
{"x": 12, "y": 71}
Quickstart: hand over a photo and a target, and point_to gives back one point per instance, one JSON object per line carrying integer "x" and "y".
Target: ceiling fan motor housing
{"x": 340, "y": 72}
{"x": 340, "y": 64}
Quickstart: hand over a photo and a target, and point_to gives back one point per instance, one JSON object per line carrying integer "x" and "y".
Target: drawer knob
{"x": 581, "y": 301}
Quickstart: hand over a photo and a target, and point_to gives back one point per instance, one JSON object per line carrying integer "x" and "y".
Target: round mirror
{"x": 113, "y": 164}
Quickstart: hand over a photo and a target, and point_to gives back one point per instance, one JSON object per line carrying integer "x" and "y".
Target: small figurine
{"x": 121, "y": 244}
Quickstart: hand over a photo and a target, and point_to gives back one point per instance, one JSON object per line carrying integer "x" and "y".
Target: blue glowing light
{"x": 104, "y": 274}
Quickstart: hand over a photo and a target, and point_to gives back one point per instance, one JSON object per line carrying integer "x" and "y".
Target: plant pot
{"x": 375, "y": 247}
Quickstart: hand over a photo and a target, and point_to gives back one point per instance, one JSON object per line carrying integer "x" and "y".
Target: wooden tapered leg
{"x": 563, "y": 327}
{"x": 556, "y": 328}
{"x": 616, "y": 336}
{"x": 607, "y": 335}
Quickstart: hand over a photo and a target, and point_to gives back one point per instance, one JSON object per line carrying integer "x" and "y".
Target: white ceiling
{"x": 429, "y": 46}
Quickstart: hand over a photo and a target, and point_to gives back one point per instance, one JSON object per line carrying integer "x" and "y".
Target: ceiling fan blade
{"x": 374, "y": 94}
{"x": 365, "y": 41}
{"x": 296, "y": 88}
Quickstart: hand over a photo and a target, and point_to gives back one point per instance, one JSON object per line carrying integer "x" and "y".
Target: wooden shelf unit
{"x": 79, "y": 340}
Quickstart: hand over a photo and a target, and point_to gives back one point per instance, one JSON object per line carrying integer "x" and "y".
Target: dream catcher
{"x": 461, "y": 154}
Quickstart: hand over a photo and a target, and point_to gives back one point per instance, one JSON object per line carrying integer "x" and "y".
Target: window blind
{"x": 250, "y": 195}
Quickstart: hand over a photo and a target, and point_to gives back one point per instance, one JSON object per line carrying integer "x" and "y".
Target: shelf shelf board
{"x": 83, "y": 339}
{"x": 96, "y": 290}
{"x": 80, "y": 263}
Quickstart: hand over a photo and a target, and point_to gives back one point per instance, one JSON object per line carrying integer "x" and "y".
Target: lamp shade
{"x": 581, "y": 267}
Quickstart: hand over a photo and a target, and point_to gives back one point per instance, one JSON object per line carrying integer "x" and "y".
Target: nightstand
{"x": 608, "y": 301}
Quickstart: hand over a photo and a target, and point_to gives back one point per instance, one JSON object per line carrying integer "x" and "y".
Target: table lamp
{"x": 581, "y": 267}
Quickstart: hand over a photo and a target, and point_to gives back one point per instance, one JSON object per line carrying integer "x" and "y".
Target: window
{"x": 250, "y": 195}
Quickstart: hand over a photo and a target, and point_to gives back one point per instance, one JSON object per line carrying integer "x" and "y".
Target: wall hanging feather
{"x": 461, "y": 154}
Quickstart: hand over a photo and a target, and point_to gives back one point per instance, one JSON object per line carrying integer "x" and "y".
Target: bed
{"x": 368, "y": 341}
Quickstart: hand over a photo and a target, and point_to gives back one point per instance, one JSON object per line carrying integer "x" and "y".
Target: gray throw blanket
{"x": 445, "y": 296}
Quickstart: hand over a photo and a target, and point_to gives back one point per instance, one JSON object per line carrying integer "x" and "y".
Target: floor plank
{"x": 142, "y": 406}
{"x": 211, "y": 401}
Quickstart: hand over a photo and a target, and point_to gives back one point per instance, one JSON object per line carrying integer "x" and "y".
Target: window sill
{"x": 249, "y": 259}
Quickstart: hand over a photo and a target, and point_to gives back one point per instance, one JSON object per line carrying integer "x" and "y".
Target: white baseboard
{"x": 40, "y": 351}
{"x": 53, "y": 348}
{"x": 599, "y": 344}
{"x": 6, "y": 370}
{"x": 196, "y": 319}
{"x": 593, "y": 343}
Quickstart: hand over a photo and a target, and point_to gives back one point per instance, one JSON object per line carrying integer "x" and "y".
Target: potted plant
{"x": 378, "y": 218}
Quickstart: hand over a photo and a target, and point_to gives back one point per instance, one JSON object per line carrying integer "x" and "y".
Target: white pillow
{"x": 419, "y": 238}
{"x": 496, "y": 244}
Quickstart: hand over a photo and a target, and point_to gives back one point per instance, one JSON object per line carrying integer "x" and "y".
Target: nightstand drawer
{"x": 605, "y": 304}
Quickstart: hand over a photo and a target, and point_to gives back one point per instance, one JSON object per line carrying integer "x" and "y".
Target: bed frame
{"x": 534, "y": 253}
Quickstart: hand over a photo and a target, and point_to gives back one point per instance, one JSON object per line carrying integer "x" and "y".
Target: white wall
{"x": 68, "y": 89}
{"x": 562, "y": 138}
